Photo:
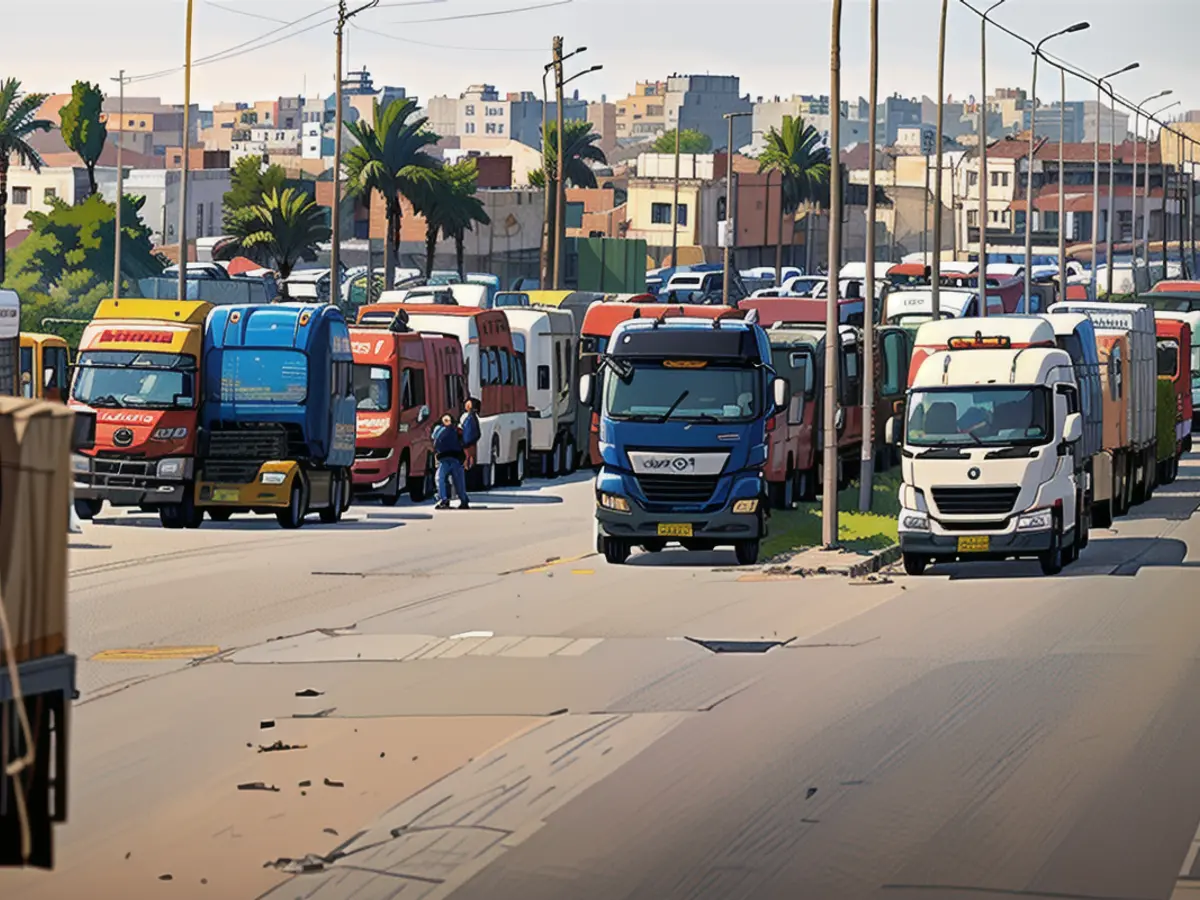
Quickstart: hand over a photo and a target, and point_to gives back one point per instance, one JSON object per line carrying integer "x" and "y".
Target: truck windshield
{"x": 263, "y": 376}
{"x": 1168, "y": 357}
{"x": 985, "y": 416}
{"x": 653, "y": 392}
{"x": 116, "y": 379}
{"x": 372, "y": 388}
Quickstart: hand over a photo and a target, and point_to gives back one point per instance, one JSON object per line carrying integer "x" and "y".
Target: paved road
{"x": 471, "y": 705}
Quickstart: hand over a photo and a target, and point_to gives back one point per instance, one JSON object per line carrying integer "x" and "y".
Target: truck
{"x": 1130, "y": 368}
{"x": 1193, "y": 321}
{"x": 138, "y": 370}
{"x": 45, "y": 367}
{"x": 1174, "y": 338}
{"x": 278, "y": 415}
{"x": 991, "y": 466}
{"x": 547, "y": 344}
{"x": 684, "y": 405}
{"x": 495, "y": 380}
{"x": 10, "y": 340}
{"x": 403, "y": 382}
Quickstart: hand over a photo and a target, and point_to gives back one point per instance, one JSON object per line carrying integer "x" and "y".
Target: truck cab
{"x": 912, "y": 308}
{"x": 684, "y": 406}
{"x": 991, "y": 468}
{"x": 10, "y": 331}
{"x": 403, "y": 382}
{"x": 138, "y": 369}
{"x": 278, "y": 413}
{"x": 1174, "y": 338}
{"x": 1193, "y": 321}
{"x": 45, "y": 367}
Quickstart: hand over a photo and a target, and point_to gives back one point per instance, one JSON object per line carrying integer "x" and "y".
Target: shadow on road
{"x": 1124, "y": 556}
{"x": 521, "y": 499}
{"x": 388, "y": 515}
{"x": 679, "y": 559}
{"x": 81, "y": 546}
{"x": 261, "y": 523}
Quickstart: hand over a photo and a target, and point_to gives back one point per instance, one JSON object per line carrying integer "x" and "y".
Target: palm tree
{"x": 794, "y": 150}
{"x": 432, "y": 202}
{"x": 17, "y": 123}
{"x": 580, "y": 143}
{"x": 464, "y": 209}
{"x": 390, "y": 158}
{"x": 282, "y": 230}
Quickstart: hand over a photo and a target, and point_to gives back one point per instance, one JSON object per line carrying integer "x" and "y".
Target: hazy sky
{"x": 776, "y": 46}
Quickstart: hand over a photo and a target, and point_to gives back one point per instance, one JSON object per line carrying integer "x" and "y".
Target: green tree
{"x": 390, "y": 159}
{"x": 64, "y": 267}
{"x": 795, "y": 151}
{"x": 17, "y": 122}
{"x": 432, "y": 202}
{"x": 580, "y": 149}
{"x": 690, "y": 141}
{"x": 464, "y": 209}
{"x": 279, "y": 232}
{"x": 83, "y": 127}
{"x": 249, "y": 182}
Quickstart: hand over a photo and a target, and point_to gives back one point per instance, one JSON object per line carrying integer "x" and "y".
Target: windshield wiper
{"x": 674, "y": 406}
{"x": 106, "y": 400}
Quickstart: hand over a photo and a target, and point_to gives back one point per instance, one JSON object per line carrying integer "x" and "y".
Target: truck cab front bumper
{"x": 270, "y": 487}
{"x": 127, "y": 482}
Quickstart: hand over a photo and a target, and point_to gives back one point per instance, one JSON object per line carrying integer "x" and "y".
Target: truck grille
{"x": 128, "y": 472}
{"x": 230, "y": 472}
{"x": 966, "y": 501}
{"x": 261, "y": 442}
{"x": 674, "y": 489}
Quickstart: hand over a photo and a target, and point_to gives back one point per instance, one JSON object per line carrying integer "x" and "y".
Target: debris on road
{"x": 167, "y": 877}
{"x": 305, "y": 783}
{"x": 280, "y": 745}
{"x": 266, "y": 723}
{"x": 309, "y": 692}
{"x": 310, "y": 862}
{"x": 873, "y": 578}
{"x": 329, "y": 783}
{"x": 808, "y": 795}
{"x": 257, "y": 786}
{"x": 332, "y": 831}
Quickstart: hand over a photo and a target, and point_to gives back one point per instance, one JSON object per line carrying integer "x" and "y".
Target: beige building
{"x": 603, "y": 119}
{"x": 30, "y": 191}
{"x": 643, "y": 114}
{"x": 652, "y": 192}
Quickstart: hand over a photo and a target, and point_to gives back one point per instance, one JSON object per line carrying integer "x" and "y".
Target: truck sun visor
{"x": 979, "y": 342}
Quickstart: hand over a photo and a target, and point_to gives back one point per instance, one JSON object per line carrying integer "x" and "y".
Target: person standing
{"x": 471, "y": 432}
{"x": 450, "y": 454}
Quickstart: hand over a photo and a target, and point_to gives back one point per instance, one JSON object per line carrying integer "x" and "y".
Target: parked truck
{"x": 1193, "y": 322}
{"x": 991, "y": 461}
{"x": 403, "y": 382}
{"x": 278, "y": 415}
{"x": 547, "y": 346}
{"x": 1130, "y": 368}
{"x": 1174, "y": 338}
{"x": 45, "y": 367}
{"x": 138, "y": 369}
{"x": 10, "y": 332}
{"x": 684, "y": 405}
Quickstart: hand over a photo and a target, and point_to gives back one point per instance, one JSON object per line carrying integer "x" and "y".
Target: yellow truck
{"x": 45, "y": 367}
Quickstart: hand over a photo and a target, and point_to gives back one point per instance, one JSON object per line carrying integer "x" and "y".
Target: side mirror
{"x": 586, "y": 387}
{"x": 1072, "y": 428}
{"x": 780, "y": 387}
{"x": 423, "y": 415}
{"x": 48, "y": 377}
{"x": 839, "y": 418}
{"x": 891, "y": 431}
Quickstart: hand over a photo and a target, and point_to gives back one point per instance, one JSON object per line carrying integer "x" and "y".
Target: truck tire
{"x": 1052, "y": 560}
{"x": 516, "y": 470}
{"x": 332, "y": 514}
{"x": 570, "y": 456}
{"x": 88, "y": 509}
{"x": 806, "y": 485}
{"x": 393, "y": 497}
{"x": 1102, "y": 514}
{"x": 915, "y": 564}
{"x": 293, "y": 517}
{"x": 775, "y": 494}
{"x": 421, "y": 489}
{"x": 746, "y": 552}
{"x": 183, "y": 514}
{"x": 616, "y": 551}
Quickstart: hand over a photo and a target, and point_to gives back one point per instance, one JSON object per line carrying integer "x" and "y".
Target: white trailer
{"x": 547, "y": 342}
{"x": 10, "y": 341}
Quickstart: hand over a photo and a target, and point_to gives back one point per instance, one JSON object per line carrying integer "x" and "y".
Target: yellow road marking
{"x": 583, "y": 571}
{"x": 154, "y": 654}
{"x": 558, "y": 562}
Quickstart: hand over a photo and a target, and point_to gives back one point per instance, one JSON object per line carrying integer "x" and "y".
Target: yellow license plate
{"x": 974, "y": 544}
{"x": 674, "y": 530}
{"x": 225, "y": 495}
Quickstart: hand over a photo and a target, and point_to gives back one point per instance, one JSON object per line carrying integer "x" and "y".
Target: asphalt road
{"x": 472, "y": 705}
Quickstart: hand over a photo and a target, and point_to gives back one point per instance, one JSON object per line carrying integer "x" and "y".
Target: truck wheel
{"x": 1052, "y": 560}
{"x": 616, "y": 551}
{"x": 1102, "y": 514}
{"x": 181, "y": 515}
{"x": 806, "y": 485}
{"x": 516, "y": 469}
{"x": 392, "y": 498}
{"x": 746, "y": 552}
{"x": 88, "y": 509}
{"x": 570, "y": 456}
{"x": 332, "y": 514}
{"x": 775, "y": 494}
{"x": 293, "y": 516}
{"x": 421, "y": 489}
{"x": 789, "y": 491}
{"x": 915, "y": 564}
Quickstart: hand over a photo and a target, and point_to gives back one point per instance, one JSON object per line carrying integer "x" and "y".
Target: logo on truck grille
{"x": 973, "y": 474}
{"x": 646, "y": 463}
{"x": 122, "y": 437}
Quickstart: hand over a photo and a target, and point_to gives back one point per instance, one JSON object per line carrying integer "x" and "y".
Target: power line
{"x": 242, "y": 12}
{"x": 484, "y": 15}
{"x": 395, "y": 37}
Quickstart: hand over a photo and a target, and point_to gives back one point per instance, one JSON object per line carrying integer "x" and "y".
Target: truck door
{"x": 891, "y": 373}
{"x": 414, "y": 412}
{"x": 850, "y": 392}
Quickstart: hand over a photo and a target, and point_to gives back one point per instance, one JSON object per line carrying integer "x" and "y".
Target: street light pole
{"x": 120, "y": 190}
{"x": 675, "y": 202}
{"x": 866, "y": 475}
{"x": 544, "y": 262}
{"x": 983, "y": 145}
{"x": 1137, "y": 139}
{"x": 829, "y": 488}
{"x": 1096, "y": 178}
{"x": 935, "y": 269}
{"x": 1062, "y": 194}
{"x": 1032, "y": 104}
{"x": 183, "y": 180}
{"x": 560, "y": 199}
{"x": 729, "y": 222}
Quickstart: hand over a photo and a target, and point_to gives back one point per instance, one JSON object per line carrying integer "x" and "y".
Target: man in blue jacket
{"x": 450, "y": 454}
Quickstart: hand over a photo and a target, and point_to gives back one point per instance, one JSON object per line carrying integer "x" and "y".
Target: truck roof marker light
{"x": 235, "y": 316}
{"x": 979, "y": 342}
{"x": 304, "y": 318}
{"x": 685, "y": 363}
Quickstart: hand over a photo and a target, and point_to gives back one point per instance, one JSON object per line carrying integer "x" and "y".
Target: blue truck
{"x": 684, "y": 406}
{"x": 278, "y": 413}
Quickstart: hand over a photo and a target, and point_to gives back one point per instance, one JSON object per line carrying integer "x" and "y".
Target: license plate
{"x": 674, "y": 530}
{"x": 225, "y": 495}
{"x": 974, "y": 544}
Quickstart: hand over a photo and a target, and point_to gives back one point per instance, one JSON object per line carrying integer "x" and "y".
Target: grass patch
{"x": 799, "y": 528}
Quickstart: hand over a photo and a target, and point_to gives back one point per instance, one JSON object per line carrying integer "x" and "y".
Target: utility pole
{"x": 183, "y": 180}
{"x": 120, "y": 190}
{"x": 544, "y": 262}
{"x": 675, "y": 202}
{"x": 730, "y": 224}
{"x": 1062, "y": 186}
{"x": 866, "y": 477}
{"x": 983, "y": 147}
{"x": 829, "y": 488}
{"x": 935, "y": 269}
{"x": 560, "y": 161}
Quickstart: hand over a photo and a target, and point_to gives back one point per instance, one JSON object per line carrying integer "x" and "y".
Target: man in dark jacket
{"x": 448, "y": 448}
{"x": 469, "y": 423}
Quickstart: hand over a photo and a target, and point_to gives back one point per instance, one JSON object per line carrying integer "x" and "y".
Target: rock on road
{"x": 473, "y": 705}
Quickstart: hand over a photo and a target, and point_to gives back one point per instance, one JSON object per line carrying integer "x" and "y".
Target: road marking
{"x": 1188, "y": 885}
{"x": 154, "y": 654}
{"x": 547, "y": 566}
{"x": 583, "y": 571}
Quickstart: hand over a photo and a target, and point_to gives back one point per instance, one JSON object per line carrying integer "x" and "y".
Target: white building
{"x": 160, "y": 187}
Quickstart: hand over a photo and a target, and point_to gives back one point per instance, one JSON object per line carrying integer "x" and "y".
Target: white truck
{"x": 991, "y": 463}
{"x": 547, "y": 345}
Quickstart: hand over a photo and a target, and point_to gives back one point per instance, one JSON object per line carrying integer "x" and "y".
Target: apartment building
{"x": 642, "y": 114}
{"x": 700, "y": 103}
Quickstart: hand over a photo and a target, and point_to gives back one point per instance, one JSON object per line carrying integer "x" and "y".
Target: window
{"x": 1168, "y": 357}
{"x": 455, "y": 393}
{"x": 1004, "y": 179}
{"x": 470, "y": 129}
{"x": 995, "y": 179}
{"x": 543, "y": 378}
{"x": 505, "y": 375}
{"x": 660, "y": 213}
{"x": 469, "y": 110}
{"x": 1114, "y": 372}
{"x": 343, "y": 379}
{"x": 49, "y": 194}
{"x": 972, "y": 218}
{"x": 500, "y": 128}
{"x": 573, "y": 215}
{"x": 412, "y": 389}
{"x": 372, "y": 388}
{"x": 519, "y": 369}
{"x": 972, "y": 179}
{"x": 27, "y": 372}
{"x": 491, "y": 366}
{"x": 1049, "y": 221}
{"x": 894, "y": 376}
{"x": 20, "y": 196}
{"x": 681, "y": 214}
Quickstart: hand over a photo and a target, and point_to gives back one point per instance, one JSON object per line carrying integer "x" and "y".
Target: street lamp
{"x": 1112, "y": 102}
{"x": 120, "y": 188}
{"x": 183, "y": 178}
{"x": 935, "y": 268}
{"x": 544, "y": 263}
{"x": 1032, "y": 103}
{"x": 983, "y": 142}
{"x": 829, "y": 465}
{"x": 1137, "y": 111}
{"x": 1163, "y": 165}
{"x": 560, "y": 226}
{"x": 729, "y": 224}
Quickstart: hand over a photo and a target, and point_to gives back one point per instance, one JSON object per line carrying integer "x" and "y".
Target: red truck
{"x": 403, "y": 382}
{"x": 1174, "y": 338}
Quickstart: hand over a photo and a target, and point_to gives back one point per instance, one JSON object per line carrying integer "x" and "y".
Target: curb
{"x": 874, "y": 562}
{"x": 868, "y": 565}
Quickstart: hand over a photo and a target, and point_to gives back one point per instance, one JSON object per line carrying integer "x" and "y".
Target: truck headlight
{"x": 172, "y": 467}
{"x": 1035, "y": 521}
{"x": 80, "y": 464}
{"x": 613, "y": 502}
{"x": 743, "y": 507}
{"x": 914, "y": 521}
{"x": 273, "y": 477}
